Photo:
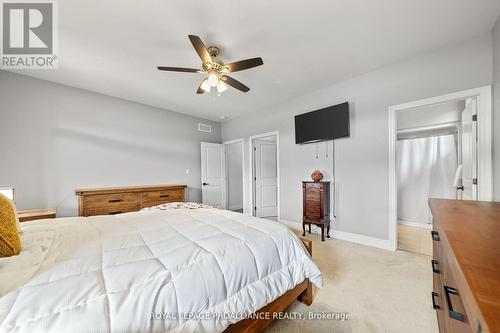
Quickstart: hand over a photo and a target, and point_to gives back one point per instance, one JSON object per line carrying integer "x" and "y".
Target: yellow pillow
{"x": 10, "y": 243}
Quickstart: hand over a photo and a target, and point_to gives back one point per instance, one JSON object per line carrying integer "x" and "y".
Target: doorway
{"x": 439, "y": 147}
{"x": 222, "y": 184}
{"x": 428, "y": 155}
{"x": 264, "y": 165}
{"x": 234, "y": 175}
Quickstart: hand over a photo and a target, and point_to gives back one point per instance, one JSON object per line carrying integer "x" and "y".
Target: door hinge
{"x": 255, "y": 178}
{"x": 255, "y": 208}
{"x": 474, "y": 117}
{"x": 474, "y": 181}
{"x": 254, "y": 148}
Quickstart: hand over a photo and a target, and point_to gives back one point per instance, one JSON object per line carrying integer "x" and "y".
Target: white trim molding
{"x": 384, "y": 244}
{"x": 484, "y": 145}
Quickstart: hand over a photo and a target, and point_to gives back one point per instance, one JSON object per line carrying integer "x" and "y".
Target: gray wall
{"x": 496, "y": 107}
{"x": 361, "y": 161}
{"x": 54, "y": 138}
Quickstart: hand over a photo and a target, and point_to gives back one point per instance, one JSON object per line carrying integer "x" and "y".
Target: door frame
{"x": 225, "y": 143}
{"x": 484, "y": 145}
{"x": 252, "y": 138}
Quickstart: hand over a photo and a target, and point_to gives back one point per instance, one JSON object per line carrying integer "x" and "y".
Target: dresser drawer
{"x": 160, "y": 197}
{"x": 438, "y": 302}
{"x": 111, "y": 200}
{"x": 312, "y": 190}
{"x": 437, "y": 252}
{"x": 312, "y": 212}
{"x": 117, "y": 208}
{"x": 315, "y": 198}
{"x": 457, "y": 319}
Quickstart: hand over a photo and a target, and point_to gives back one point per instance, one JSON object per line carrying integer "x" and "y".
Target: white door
{"x": 265, "y": 178}
{"x": 213, "y": 174}
{"x": 469, "y": 150}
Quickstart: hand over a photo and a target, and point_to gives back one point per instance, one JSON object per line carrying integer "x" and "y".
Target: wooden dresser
{"x": 466, "y": 265}
{"x": 316, "y": 206}
{"x": 117, "y": 200}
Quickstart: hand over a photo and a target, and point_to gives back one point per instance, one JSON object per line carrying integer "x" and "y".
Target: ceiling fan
{"x": 215, "y": 69}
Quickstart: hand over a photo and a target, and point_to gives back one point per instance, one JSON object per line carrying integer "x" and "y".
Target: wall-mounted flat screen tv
{"x": 323, "y": 125}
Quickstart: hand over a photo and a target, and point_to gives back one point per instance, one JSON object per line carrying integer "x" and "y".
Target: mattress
{"x": 182, "y": 270}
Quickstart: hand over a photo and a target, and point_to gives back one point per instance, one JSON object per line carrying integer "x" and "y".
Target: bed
{"x": 178, "y": 270}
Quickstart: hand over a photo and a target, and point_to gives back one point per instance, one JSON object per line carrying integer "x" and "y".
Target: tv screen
{"x": 322, "y": 125}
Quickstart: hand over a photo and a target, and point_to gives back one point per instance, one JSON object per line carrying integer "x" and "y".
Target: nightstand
{"x": 36, "y": 214}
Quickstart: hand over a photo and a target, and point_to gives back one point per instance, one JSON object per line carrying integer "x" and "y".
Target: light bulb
{"x": 213, "y": 79}
{"x": 221, "y": 87}
{"x": 205, "y": 86}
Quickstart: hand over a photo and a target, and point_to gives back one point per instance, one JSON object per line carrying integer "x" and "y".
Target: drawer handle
{"x": 434, "y": 305}
{"x": 164, "y": 196}
{"x": 435, "y": 235}
{"x": 434, "y": 264}
{"x": 115, "y": 200}
{"x": 453, "y": 314}
{"x": 114, "y": 213}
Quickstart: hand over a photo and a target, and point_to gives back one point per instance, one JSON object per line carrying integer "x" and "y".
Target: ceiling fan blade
{"x": 179, "y": 69}
{"x": 244, "y": 64}
{"x": 235, "y": 83}
{"x": 200, "y": 89}
{"x": 200, "y": 49}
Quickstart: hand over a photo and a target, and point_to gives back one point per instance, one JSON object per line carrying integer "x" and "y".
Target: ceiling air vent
{"x": 204, "y": 128}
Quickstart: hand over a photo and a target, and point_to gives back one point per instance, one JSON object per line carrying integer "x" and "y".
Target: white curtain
{"x": 426, "y": 168}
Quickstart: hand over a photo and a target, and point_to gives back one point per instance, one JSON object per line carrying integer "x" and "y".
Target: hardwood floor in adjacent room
{"x": 414, "y": 239}
{"x": 384, "y": 291}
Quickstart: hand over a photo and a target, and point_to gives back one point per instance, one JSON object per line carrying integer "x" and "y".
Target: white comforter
{"x": 153, "y": 271}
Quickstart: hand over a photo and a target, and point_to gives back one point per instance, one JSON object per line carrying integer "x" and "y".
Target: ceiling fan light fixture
{"x": 221, "y": 87}
{"x": 213, "y": 79}
{"x": 215, "y": 70}
{"x": 206, "y": 86}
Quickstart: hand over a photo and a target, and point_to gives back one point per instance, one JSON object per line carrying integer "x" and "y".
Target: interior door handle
{"x": 205, "y": 184}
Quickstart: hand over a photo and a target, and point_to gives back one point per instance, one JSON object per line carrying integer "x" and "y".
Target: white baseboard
{"x": 361, "y": 239}
{"x": 347, "y": 236}
{"x": 416, "y": 224}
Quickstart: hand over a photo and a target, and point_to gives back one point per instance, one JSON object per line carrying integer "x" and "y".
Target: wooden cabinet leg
{"x": 309, "y": 228}
{"x": 307, "y": 295}
{"x": 328, "y": 231}
{"x": 322, "y": 233}
{"x": 303, "y": 229}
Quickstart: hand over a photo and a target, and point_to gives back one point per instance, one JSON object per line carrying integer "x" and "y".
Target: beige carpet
{"x": 384, "y": 291}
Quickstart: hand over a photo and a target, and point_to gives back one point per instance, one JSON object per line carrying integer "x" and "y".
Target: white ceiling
{"x": 113, "y": 46}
